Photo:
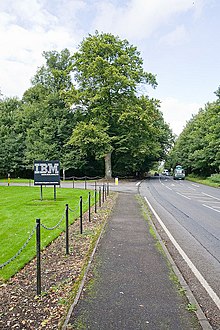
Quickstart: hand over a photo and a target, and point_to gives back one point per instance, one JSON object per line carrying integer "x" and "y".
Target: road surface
{"x": 189, "y": 214}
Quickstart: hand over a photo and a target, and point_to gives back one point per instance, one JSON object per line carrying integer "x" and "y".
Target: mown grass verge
{"x": 212, "y": 181}
{"x": 19, "y": 208}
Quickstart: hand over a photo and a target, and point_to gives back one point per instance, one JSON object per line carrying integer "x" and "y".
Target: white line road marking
{"x": 195, "y": 185}
{"x": 209, "y": 207}
{"x": 201, "y": 279}
{"x": 204, "y": 201}
{"x": 183, "y": 195}
{"x": 217, "y": 202}
{"x": 192, "y": 188}
{"x": 218, "y": 199}
{"x": 165, "y": 185}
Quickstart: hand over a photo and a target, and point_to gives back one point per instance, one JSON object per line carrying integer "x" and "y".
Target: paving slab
{"x": 131, "y": 286}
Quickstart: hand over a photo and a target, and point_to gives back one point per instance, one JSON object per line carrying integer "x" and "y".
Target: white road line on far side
{"x": 209, "y": 207}
{"x": 165, "y": 185}
{"x": 192, "y": 188}
{"x": 195, "y": 271}
{"x": 183, "y": 195}
{"x": 218, "y": 199}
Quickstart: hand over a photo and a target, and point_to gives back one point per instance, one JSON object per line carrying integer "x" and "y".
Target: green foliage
{"x": 197, "y": 148}
{"x": 215, "y": 178}
{"x": 55, "y": 76}
{"x": 212, "y": 181}
{"x": 143, "y": 138}
{"x": 191, "y": 307}
{"x": 109, "y": 72}
{"x": 90, "y": 140}
{"x": 12, "y": 142}
{"x": 48, "y": 127}
{"x": 103, "y": 116}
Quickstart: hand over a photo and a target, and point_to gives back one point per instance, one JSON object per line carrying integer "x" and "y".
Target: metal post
{"x": 73, "y": 182}
{"x": 41, "y": 192}
{"x": 54, "y": 192}
{"x": 108, "y": 189}
{"x": 80, "y": 207}
{"x": 67, "y": 229}
{"x": 103, "y": 193}
{"x": 85, "y": 183}
{"x": 100, "y": 197}
{"x": 89, "y": 207}
{"x": 95, "y": 200}
{"x": 38, "y": 256}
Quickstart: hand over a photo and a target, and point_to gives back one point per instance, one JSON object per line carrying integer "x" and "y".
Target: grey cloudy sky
{"x": 178, "y": 41}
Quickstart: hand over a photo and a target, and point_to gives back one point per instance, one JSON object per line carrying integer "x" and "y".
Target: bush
{"x": 215, "y": 178}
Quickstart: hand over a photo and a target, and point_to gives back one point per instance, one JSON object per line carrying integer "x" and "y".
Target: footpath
{"x": 131, "y": 286}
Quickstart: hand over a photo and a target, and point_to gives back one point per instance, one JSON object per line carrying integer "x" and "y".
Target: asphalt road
{"x": 191, "y": 214}
{"x": 129, "y": 186}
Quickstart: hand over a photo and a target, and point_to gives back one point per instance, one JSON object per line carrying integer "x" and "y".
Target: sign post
{"x": 47, "y": 173}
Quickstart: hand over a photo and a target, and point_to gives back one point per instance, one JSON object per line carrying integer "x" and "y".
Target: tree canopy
{"x": 108, "y": 72}
{"x": 197, "y": 148}
{"x": 86, "y": 109}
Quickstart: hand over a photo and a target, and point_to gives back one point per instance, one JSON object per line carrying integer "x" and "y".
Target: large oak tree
{"x": 109, "y": 73}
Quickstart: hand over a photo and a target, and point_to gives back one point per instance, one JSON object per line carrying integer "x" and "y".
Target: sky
{"x": 178, "y": 41}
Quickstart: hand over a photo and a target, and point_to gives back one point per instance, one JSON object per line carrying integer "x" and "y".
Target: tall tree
{"x": 108, "y": 72}
{"x": 197, "y": 147}
{"x": 55, "y": 75}
{"x": 12, "y": 140}
{"x": 49, "y": 121}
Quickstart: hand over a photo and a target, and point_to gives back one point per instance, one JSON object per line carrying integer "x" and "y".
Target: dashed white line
{"x": 209, "y": 207}
{"x": 218, "y": 199}
{"x": 201, "y": 279}
{"x": 183, "y": 195}
{"x": 192, "y": 188}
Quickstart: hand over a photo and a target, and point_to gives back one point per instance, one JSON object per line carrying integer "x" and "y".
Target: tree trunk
{"x": 108, "y": 166}
{"x": 64, "y": 176}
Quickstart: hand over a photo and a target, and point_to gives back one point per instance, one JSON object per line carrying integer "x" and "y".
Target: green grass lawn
{"x": 19, "y": 209}
{"x": 213, "y": 181}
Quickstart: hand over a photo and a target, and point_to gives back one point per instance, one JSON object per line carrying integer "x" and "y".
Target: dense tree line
{"x": 86, "y": 110}
{"x": 197, "y": 148}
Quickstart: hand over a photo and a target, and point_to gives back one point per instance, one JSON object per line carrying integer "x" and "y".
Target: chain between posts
{"x": 20, "y": 250}
{"x": 38, "y": 234}
{"x": 54, "y": 227}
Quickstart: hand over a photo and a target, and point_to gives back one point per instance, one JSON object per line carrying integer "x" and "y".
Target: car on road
{"x": 166, "y": 172}
{"x": 179, "y": 173}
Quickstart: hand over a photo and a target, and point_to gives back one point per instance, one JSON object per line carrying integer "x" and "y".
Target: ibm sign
{"x": 47, "y": 172}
